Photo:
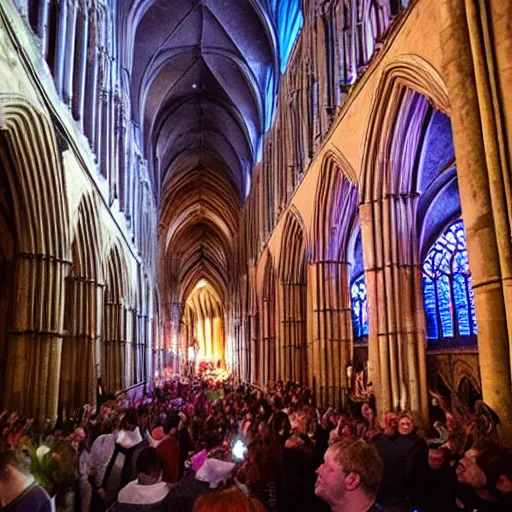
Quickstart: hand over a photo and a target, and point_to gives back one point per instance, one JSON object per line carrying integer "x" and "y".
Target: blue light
{"x": 359, "y": 308}
{"x": 269, "y": 99}
{"x": 289, "y": 20}
{"x": 447, "y": 291}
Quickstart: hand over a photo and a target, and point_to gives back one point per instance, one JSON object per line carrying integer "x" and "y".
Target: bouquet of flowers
{"x": 53, "y": 462}
{"x": 215, "y": 376}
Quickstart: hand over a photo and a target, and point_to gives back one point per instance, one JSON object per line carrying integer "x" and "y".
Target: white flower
{"x": 42, "y": 451}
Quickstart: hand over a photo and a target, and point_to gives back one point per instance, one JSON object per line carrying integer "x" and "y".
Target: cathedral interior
{"x": 315, "y": 190}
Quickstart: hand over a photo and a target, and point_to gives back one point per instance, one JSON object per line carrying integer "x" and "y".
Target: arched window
{"x": 359, "y": 308}
{"x": 449, "y": 301}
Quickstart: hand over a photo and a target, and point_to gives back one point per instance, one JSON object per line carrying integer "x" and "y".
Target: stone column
{"x": 91, "y": 90}
{"x": 268, "y": 345}
{"x": 177, "y": 308}
{"x": 69, "y": 53}
{"x": 115, "y": 334}
{"x": 476, "y": 38}
{"x": 331, "y": 345}
{"x": 35, "y": 339}
{"x": 80, "y": 65}
{"x": 42, "y": 25}
{"x": 79, "y": 358}
{"x": 397, "y": 335}
{"x": 292, "y": 357}
{"x": 60, "y": 45}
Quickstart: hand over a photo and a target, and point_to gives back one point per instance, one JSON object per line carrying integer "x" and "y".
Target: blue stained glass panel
{"x": 429, "y": 296}
{"x": 445, "y": 305}
{"x": 359, "y": 308}
{"x": 461, "y": 304}
{"x": 448, "y": 295}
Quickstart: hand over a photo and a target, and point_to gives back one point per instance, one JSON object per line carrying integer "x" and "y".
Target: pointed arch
{"x": 397, "y": 124}
{"x": 31, "y": 161}
{"x": 118, "y": 322}
{"x": 335, "y": 212}
{"x": 84, "y": 285}
{"x": 404, "y": 83}
{"x": 294, "y": 249}
{"x": 292, "y": 355}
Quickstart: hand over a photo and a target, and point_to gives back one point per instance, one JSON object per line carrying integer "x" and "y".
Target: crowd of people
{"x": 207, "y": 445}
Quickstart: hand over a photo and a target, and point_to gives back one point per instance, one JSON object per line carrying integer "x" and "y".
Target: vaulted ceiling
{"x": 204, "y": 77}
{"x": 200, "y": 71}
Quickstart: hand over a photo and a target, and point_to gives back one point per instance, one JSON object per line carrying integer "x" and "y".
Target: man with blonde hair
{"x": 349, "y": 478}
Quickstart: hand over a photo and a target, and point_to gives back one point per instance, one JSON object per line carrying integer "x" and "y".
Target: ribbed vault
{"x": 200, "y": 73}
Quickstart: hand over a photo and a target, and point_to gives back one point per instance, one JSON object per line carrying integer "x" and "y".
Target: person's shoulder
{"x": 127, "y": 489}
{"x": 35, "y": 499}
{"x": 170, "y": 441}
{"x": 102, "y": 439}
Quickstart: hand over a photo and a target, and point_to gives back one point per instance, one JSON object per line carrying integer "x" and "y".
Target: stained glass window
{"x": 448, "y": 295}
{"x": 359, "y": 308}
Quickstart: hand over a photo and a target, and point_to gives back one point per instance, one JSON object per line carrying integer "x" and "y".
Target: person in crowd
{"x": 19, "y": 492}
{"x": 211, "y": 414}
{"x": 497, "y": 463}
{"x": 169, "y": 449}
{"x": 504, "y": 482}
{"x": 404, "y": 456}
{"x": 350, "y": 476}
{"x": 184, "y": 441}
{"x": 231, "y": 500}
{"x": 148, "y": 493}
{"x": 211, "y": 473}
{"x": 478, "y": 475}
{"x": 437, "y": 483}
{"x": 299, "y": 465}
{"x": 112, "y": 460}
{"x": 262, "y": 471}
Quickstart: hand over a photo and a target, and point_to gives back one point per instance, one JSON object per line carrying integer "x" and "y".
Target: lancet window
{"x": 448, "y": 295}
{"x": 359, "y": 308}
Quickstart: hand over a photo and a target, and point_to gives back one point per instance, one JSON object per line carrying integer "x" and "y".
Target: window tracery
{"x": 447, "y": 290}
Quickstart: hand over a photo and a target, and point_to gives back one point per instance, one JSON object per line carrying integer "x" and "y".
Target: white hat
{"x": 214, "y": 471}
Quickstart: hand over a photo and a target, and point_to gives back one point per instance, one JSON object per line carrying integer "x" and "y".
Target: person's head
{"x": 263, "y": 460}
{"x": 350, "y": 475}
{"x": 405, "y": 425}
{"x": 231, "y": 500}
{"x": 280, "y": 425}
{"x": 129, "y": 421}
{"x": 172, "y": 423}
{"x": 390, "y": 422}
{"x": 299, "y": 421}
{"x": 470, "y": 471}
{"x": 495, "y": 462}
{"x": 149, "y": 463}
{"x": 13, "y": 465}
{"x": 437, "y": 457}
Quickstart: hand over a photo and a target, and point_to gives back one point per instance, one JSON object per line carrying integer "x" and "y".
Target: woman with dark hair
{"x": 263, "y": 470}
{"x": 280, "y": 426}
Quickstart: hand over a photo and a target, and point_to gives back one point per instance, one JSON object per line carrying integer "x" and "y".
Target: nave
{"x": 273, "y": 190}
